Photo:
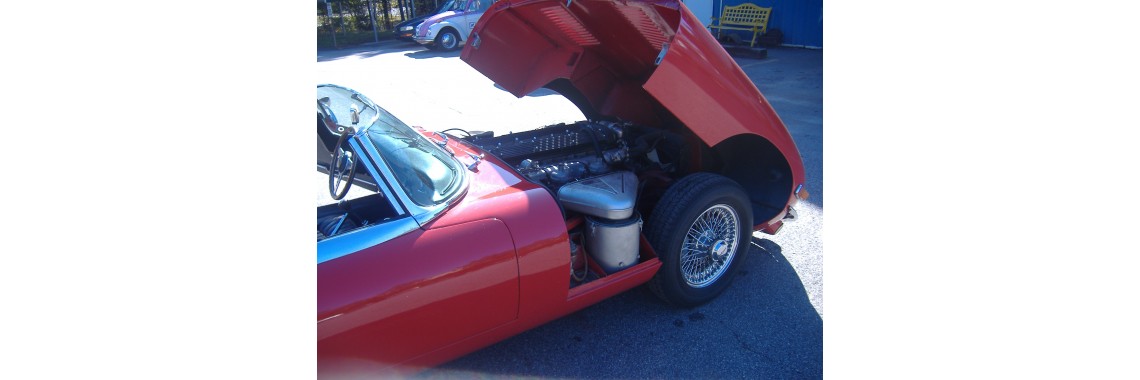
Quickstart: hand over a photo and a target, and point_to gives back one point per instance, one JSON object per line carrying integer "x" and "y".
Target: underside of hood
{"x": 648, "y": 62}
{"x": 605, "y": 49}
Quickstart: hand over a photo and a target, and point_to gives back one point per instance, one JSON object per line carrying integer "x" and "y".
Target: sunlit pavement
{"x": 768, "y": 324}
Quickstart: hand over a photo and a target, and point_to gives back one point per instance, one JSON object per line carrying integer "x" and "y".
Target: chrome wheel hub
{"x": 709, "y": 246}
{"x": 719, "y": 250}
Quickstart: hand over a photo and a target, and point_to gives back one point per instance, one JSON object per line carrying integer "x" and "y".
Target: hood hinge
{"x": 664, "y": 49}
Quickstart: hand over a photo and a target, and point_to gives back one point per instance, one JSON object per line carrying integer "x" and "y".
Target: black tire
{"x": 715, "y": 252}
{"x": 447, "y": 40}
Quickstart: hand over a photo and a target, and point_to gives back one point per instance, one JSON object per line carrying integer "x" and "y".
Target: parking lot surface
{"x": 768, "y": 324}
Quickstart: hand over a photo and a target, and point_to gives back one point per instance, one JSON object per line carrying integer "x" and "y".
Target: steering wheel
{"x": 342, "y": 168}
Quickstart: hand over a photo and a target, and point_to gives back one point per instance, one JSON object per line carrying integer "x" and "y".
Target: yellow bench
{"x": 747, "y": 16}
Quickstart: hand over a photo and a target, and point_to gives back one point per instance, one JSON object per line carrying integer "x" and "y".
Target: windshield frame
{"x": 423, "y": 213}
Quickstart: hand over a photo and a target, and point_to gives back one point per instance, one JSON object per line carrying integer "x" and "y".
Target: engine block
{"x": 561, "y": 153}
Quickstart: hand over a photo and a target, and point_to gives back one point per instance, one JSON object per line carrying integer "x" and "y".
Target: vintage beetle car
{"x": 406, "y": 30}
{"x": 448, "y": 29}
{"x": 433, "y": 245}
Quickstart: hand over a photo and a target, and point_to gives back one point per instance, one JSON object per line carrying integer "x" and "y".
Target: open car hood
{"x": 648, "y": 62}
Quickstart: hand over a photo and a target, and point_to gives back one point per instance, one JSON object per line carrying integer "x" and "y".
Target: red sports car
{"x": 431, "y": 245}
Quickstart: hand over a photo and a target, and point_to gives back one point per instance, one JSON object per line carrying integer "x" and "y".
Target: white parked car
{"x": 447, "y": 30}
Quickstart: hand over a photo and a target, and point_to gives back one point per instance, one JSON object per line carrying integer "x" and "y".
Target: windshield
{"x": 448, "y": 6}
{"x": 427, "y": 174}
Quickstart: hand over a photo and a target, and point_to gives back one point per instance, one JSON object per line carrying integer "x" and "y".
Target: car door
{"x": 391, "y": 286}
{"x": 474, "y": 10}
{"x": 416, "y": 293}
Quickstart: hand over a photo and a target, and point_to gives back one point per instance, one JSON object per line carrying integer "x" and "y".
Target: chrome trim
{"x": 442, "y": 144}
{"x": 380, "y": 171}
{"x": 355, "y": 96}
{"x": 422, "y": 214}
{"x": 661, "y": 56}
{"x": 339, "y": 223}
{"x": 448, "y": 41}
{"x": 386, "y": 188}
{"x": 354, "y": 241}
{"x": 474, "y": 166}
{"x": 798, "y": 188}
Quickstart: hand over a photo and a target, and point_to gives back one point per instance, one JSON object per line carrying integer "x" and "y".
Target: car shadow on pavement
{"x": 367, "y": 50}
{"x": 763, "y": 326}
{"x": 426, "y": 53}
{"x": 541, "y": 91}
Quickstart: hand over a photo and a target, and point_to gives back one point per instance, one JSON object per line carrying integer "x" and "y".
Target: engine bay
{"x": 598, "y": 171}
{"x": 559, "y": 154}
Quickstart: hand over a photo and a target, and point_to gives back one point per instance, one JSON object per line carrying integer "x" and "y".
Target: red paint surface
{"x": 608, "y": 50}
{"x": 497, "y": 262}
{"x": 460, "y": 280}
{"x": 707, "y": 91}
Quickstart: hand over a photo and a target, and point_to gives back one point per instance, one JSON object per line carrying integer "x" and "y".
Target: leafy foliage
{"x": 352, "y": 23}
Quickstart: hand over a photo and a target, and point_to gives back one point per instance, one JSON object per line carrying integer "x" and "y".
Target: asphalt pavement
{"x": 767, "y": 325}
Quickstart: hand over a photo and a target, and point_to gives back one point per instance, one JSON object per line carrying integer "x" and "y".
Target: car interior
{"x": 363, "y": 206}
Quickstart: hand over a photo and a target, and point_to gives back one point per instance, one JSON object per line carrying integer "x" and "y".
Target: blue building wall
{"x": 800, "y": 20}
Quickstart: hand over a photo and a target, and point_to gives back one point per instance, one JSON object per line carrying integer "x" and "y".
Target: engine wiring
{"x": 457, "y": 129}
{"x": 585, "y": 263}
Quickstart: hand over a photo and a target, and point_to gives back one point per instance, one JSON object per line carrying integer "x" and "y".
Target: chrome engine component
{"x": 613, "y": 244}
{"x": 609, "y": 196}
{"x": 592, "y": 167}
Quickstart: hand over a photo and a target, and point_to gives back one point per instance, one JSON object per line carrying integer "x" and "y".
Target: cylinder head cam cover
{"x": 609, "y": 196}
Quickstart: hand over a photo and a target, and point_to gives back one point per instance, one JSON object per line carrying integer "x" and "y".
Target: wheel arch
{"x": 760, "y": 168}
{"x": 448, "y": 26}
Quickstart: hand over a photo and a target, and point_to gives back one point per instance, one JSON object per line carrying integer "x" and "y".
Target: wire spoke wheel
{"x": 709, "y": 246}
{"x": 700, "y": 229}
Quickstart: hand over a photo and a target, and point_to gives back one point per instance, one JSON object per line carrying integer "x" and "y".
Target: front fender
{"x": 435, "y": 29}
